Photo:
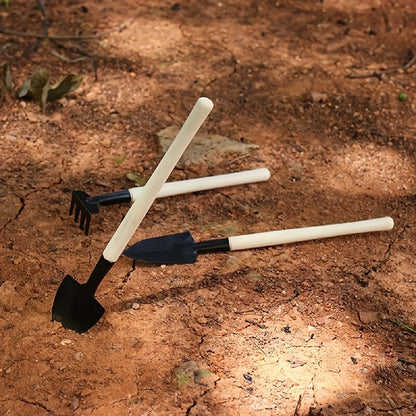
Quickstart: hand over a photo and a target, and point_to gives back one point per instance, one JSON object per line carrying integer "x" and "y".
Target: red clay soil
{"x": 326, "y": 90}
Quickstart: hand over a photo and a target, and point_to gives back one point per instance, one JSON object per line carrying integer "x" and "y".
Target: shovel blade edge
{"x": 75, "y": 307}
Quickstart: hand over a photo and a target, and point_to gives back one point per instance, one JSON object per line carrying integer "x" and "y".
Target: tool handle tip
{"x": 205, "y": 103}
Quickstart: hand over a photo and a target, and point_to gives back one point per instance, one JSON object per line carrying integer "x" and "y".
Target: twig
{"x": 379, "y": 74}
{"x": 261, "y": 326}
{"x": 66, "y": 37}
{"x": 237, "y": 159}
{"x": 53, "y": 37}
{"x": 260, "y": 348}
{"x": 294, "y": 296}
{"x": 2, "y": 95}
{"x": 64, "y": 58}
{"x": 402, "y": 325}
{"x": 41, "y": 5}
{"x": 298, "y": 405}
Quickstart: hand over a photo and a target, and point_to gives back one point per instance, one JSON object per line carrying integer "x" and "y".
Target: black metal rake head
{"x": 83, "y": 204}
{"x": 87, "y": 205}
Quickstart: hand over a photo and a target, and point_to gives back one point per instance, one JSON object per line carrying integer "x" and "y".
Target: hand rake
{"x": 84, "y": 204}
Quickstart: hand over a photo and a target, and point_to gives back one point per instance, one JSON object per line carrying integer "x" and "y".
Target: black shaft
{"x": 110, "y": 199}
{"x": 100, "y": 270}
{"x": 221, "y": 244}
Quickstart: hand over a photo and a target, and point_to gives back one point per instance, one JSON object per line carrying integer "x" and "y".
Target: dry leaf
{"x": 38, "y": 87}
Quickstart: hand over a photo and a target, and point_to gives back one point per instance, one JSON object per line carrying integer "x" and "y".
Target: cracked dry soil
{"x": 317, "y": 328}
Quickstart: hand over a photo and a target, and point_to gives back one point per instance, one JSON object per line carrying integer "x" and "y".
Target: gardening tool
{"x": 74, "y": 305}
{"x": 181, "y": 248}
{"x": 86, "y": 205}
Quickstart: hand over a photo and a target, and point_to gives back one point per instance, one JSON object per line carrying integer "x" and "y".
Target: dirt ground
{"x": 316, "y": 328}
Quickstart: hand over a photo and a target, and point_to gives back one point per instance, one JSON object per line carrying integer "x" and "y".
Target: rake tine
{"x": 85, "y": 221}
{"x": 82, "y": 220}
{"x": 77, "y": 211}
{"x": 84, "y": 206}
{"x": 87, "y": 224}
{"x": 71, "y": 209}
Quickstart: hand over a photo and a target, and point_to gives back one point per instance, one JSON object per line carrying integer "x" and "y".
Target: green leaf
{"x": 119, "y": 159}
{"x": 402, "y": 96}
{"x": 6, "y": 78}
{"x": 69, "y": 84}
{"x": 25, "y": 89}
{"x": 38, "y": 87}
{"x": 139, "y": 180}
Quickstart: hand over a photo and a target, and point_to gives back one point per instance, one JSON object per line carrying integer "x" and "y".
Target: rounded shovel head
{"x": 75, "y": 307}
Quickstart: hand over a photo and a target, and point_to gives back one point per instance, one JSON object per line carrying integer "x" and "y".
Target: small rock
{"x": 202, "y": 320}
{"x": 86, "y": 392}
{"x": 7, "y": 289}
{"x": 248, "y": 378}
{"x": 204, "y": 147}
{"x": 106, "y": 142}
{"x": 78, "y": 356}
{"x": 74, "y": 404}
{"x": 36, "y": 118}
{"x": 296, "y": 362}
{"x": 200, "y": 301}
{"x": 412, "y": 368}
{"x": 56, "y": 117}
{"x": 135, "y": 306}
{"x": 368, "y": 317}
{"x": 318, "y": 96}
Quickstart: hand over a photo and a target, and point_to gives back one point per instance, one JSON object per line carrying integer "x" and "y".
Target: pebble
{"x": 135, "y": 306}
{"x": 74, "y": 404}
{"x": 248, "y": 378}
{"x": 412, "y": 368}
{"x": 106, "y": 142}
{"x": 318, "y": 96}
{"x": 200, "y": 300}
{"x": 78, "y": 356}
{"x": 368, "y": 317}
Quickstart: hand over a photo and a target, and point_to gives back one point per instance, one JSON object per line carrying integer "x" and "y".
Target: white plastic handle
{"x": 140, "y": 207}
{"x": 210, "y": 182}
{"x": 272, "y": 238}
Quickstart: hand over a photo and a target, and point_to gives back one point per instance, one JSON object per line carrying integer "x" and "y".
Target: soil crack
{"x": 377, "y": 267}
{"x": 19, "y": 212}
{"x": 23, "y": 200}
{"x": 188, "y": 410}
{"x": 203, "y": 394}
{"x": 35, "y": 403}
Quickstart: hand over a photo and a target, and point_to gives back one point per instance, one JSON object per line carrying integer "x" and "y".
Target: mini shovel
{"x": 181, "y": 248}
{"x": 86, "y": 205}
{"x": 75, "y": 305}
